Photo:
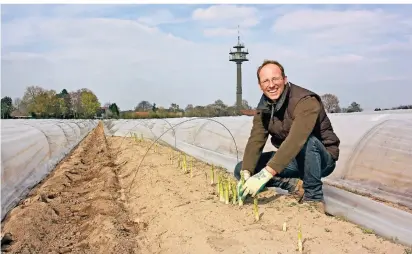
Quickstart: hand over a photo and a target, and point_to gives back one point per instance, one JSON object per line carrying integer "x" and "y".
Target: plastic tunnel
{"x": 376, "y": 155}
{"x": 375, "y": 160}
{"x": 31, "y": 149}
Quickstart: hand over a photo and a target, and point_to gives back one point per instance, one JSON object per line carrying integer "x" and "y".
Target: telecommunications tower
{"x": 239, "y": 56}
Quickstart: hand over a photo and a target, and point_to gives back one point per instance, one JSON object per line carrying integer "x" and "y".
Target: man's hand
{"x": 256, "y": 183}
{"x": 246, "y": 176}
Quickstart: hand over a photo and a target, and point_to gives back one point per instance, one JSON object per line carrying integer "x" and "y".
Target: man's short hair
{"x": 266, "y": 62}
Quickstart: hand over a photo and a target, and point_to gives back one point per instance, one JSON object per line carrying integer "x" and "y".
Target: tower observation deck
{"x": 239, "y": 56}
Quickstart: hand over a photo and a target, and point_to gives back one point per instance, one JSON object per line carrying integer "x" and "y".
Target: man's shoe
{"x": 318, "y": 205}
{"x": 298, "y": 191}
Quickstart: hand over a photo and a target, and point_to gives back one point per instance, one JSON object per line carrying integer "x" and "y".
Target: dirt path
{"x": 184, "y": 214}
{"x": 86, "y": 207}
{"x": 77, "y": 209}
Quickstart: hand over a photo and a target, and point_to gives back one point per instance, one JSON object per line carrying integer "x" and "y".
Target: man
{"x": 307, "y": 146}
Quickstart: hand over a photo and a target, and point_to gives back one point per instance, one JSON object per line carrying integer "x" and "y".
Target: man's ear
{"x": 286, "y": 79}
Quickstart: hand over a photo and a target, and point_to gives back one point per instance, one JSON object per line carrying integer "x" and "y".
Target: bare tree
{"x": 20, "y": 106}
{"x": 219, "y": 108}
{"x": 245, "y": 105}
{"x": 143, "y": 106}
{"x": 189, "y": 107}
{"x": 331, "y": 103}
{"x": 174, "y": 107}
{"x": 76, "y": 103}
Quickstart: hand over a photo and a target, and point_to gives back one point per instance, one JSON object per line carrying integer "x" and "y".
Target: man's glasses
{"x": 266, "y": 82}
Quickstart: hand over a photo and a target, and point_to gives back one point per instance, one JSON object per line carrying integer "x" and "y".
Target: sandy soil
{"x": 93, "y": 203}
{"x": 77, "y": 209}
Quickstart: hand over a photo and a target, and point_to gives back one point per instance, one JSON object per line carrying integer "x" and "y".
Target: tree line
{"x": 395, "y": 108}
{"x": 331, "y": 104}
{"x": 218, "y": 108}
{"x": 38, "y": 102}
{"x": 145, "y": 109}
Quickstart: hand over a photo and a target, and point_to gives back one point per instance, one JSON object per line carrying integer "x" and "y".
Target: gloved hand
{"x": 255, "y": 184}
{"x": 246, "y": 176}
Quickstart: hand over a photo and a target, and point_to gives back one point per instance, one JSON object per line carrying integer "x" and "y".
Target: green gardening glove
{"x": 255, "y": 184}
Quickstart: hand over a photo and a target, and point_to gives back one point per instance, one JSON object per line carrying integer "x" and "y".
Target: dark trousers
{"x": 311, "y": 164}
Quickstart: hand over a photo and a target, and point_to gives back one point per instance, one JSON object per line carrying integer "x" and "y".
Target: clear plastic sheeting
{"x": 224, "y": 135}
{"x": 31, "y": 149}
{"x": 375, "y": 151}
{"x": 384, "y": 220}
{"x": 375, "y": 157}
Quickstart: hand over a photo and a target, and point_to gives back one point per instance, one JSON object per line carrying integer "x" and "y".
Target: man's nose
{"x": 272, "y": 84}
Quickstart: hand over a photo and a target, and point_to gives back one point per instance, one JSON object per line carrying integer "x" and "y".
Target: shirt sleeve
{"x": 256, "y": 143}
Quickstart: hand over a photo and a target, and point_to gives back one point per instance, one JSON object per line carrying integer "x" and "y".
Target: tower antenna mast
{"x": 239, "y": 56}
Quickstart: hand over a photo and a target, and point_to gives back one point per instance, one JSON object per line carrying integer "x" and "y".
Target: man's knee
{"x": 237, "y": 170}
{"x": 312, "y": 143}
{"x": 309, "y": 151}
{"x": 315, "y": 152}
{"x": 312, "y": 140}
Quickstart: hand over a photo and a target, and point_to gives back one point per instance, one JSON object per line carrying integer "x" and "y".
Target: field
{"x": 98, "y": 200}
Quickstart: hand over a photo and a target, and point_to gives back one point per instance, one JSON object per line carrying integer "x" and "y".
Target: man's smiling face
{"x": 272, "y": 82}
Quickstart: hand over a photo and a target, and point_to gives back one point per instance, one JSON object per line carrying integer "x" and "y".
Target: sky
{"x": 180, "y": 53}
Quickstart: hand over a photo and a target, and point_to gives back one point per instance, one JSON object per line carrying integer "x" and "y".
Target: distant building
{"x": 247, "y": 112}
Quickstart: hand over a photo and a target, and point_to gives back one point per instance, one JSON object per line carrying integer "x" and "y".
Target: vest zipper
{"x": 273, "y": 112}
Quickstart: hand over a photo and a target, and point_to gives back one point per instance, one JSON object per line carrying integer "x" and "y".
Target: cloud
{"x": 342, "y": 27}
{"x": 126, "y": 60}
{"x": 342, "y": 59}
{"x": 393, "y": 46}
{"x": 244, "y": 16}
{"x": 390, "y": 79}
{"x": 134, "y": 63}
{"x": 161, "y": 16}
{"x": 221, "y": 31}
{"x": 223, "y": 20}
{"x": 322, "y": 19}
